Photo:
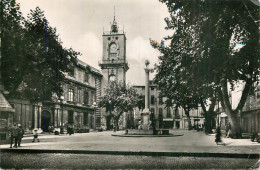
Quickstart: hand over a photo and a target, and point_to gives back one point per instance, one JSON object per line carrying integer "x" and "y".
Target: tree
{"x": 172, "y": 78}
{"x": 118, "y": 98}
{"x": 33, "y": 61}
{"x": 215, "y": 62}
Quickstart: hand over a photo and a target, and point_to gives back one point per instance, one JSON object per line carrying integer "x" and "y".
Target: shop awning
{"x": 4, "y": 104}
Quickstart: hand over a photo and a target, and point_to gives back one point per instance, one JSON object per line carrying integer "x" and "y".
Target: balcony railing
{"x": 110, "y": 32}
{"x": 112, "y": 55}
{"x": 113, "y": 62}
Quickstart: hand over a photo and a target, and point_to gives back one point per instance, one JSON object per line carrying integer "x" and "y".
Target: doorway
{"x": 45, "y": 120}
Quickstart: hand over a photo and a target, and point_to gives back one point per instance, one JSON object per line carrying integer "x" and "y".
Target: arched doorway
{"x": 45, "y": 120}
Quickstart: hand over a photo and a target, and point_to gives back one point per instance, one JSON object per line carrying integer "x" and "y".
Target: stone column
{"x": 35, "y": 116}
{"x": 40, "y": 116}
{"x": 146, "y": 112}
{"x": 146, "y": 89}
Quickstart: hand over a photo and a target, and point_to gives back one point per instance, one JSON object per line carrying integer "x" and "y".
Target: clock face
{"x": 113, "y": 48}
{"x": 112, "y": 77}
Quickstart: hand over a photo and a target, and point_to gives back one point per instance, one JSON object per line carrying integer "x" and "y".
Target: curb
{"x": 137, "y": 153}
{"x": 129, "y": 135}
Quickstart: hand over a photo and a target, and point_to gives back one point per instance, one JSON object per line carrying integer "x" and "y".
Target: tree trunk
{"x": 233, "y": 114}
{"x": 116, "y": 123}
{"x": 209, "y": 115}
{"x": 108, "y": 122}
{"x": 187, "y": 112}
{"x": 208, "y": 126}
{"x": 235, "y": 123}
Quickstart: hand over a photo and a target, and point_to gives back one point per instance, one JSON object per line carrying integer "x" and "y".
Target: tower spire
{"x": 114, "y": 13}
{"x": 114, "y": 27}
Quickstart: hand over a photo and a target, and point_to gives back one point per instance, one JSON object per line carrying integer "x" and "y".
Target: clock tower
{"x": 113, "y": 64}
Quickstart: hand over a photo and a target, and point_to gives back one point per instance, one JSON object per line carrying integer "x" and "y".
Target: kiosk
{"x": 6, "y": 118}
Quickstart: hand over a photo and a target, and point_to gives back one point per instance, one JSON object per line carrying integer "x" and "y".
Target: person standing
{"x": 20, "y": 135}
{"x": 49, "y": 129}
{"x": 35, "y": 135}
{"x": 14, "y": 135}
{"x": 11, "y": 136}
{"x": 218, "y": 135}
{"x": 228, "y": 129}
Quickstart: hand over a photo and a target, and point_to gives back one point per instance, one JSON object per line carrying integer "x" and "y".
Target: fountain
{"x": 145, "y": 129}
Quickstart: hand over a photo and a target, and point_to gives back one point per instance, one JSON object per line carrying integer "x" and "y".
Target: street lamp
{"x": 197, "y": 119}
{"x": 94, "y": 106}
{"x": 62, "y": 103}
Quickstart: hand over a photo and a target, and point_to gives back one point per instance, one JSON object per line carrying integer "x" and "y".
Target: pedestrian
{"x": 11, "y": 136}
{"x": 139, "y": 125}
{"x": 20, "y": 135}
{"x": 49, "y": 129}
{"x": 14, "y": 135}
{"x": 70, "y": 129}
{"x": 35, "y": 135}
{"x": 218, "y": 135}
{"x": 228, "y": 129}
{"x": 178, "y": 124}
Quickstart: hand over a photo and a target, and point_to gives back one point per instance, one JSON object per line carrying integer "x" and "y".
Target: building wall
{"x": 56, "y": 112}
{"x": 26, "y": 113}
{"x": 249, "y": 117}
{"x": 174, "y": 115}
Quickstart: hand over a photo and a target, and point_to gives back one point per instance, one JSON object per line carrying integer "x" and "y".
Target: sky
{"x": 80, "y": 25}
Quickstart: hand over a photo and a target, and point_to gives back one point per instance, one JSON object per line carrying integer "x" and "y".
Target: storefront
{"x": 250, "y": 121}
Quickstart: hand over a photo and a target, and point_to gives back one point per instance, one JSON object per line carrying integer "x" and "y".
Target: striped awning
{"x": 4, "y": 104}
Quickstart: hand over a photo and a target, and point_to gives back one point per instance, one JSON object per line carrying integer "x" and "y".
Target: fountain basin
{"x": 147, "y": 133}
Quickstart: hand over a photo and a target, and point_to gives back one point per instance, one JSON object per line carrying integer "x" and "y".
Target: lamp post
{"x": 94, "y": 106}
{"x": 197, "y": 119}
{"x": 62, "y": 103}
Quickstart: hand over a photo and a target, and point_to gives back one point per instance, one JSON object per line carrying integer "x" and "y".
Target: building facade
{"x": 172, "y": 118}
{"x": 250, "y": 116}
{"x": 76, "y": 107}
{"x": 113, "y": 64}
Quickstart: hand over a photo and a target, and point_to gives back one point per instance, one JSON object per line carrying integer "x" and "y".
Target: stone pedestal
{"x": 145, "y": 117}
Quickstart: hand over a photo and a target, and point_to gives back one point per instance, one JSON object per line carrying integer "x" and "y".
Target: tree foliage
{"x": 203, "y": 49}
{"x": 118, "y": 98}
{"x": 33, "y": 59}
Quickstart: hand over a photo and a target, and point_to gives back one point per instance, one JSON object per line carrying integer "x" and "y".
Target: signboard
{"x": 3, "y": 123}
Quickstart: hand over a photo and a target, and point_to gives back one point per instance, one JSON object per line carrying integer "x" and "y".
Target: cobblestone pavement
{"x": 85, "y": 161}
{"x": 191, "y": 141}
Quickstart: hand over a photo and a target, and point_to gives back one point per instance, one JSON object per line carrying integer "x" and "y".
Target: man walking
{"x": 20, "y": 134}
